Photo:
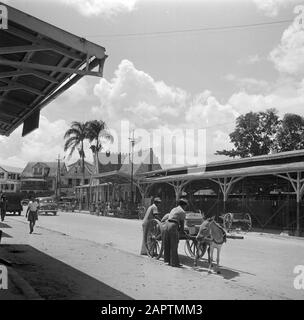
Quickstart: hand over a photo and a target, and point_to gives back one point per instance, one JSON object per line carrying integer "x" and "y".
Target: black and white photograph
{"x": 151, "y": 150}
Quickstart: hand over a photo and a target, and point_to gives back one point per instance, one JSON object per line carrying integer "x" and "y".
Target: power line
{"x": 181, "y": 31}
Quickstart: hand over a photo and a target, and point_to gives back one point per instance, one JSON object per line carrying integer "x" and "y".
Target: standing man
{"x": 151, "y": 212}
{"x": 3, "y": 206}
{"x": 172, "y": 227}
{"x": 32, "y": 213}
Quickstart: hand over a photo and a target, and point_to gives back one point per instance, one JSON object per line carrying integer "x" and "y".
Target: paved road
{"x": 260, "y": 265}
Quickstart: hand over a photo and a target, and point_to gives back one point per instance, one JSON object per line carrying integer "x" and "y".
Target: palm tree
{"x": 75, "y": 137}
{"x": 98, "y": 133}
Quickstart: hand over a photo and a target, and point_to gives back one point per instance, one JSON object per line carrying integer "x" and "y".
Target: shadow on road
{"x": 4, "y": 225}
{"x": 203, "y": 266}
{"x": 55, "y": 280}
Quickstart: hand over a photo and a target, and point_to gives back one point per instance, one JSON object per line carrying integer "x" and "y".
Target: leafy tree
{"x": 254, "y": 134}
{"x": 98, "y": 133}
{"x": 290, "y": 135}
{"x": 75, "y": 137}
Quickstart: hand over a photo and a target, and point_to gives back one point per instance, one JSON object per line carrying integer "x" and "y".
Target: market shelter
{"x": 38, "y": 62}
{"x": 272, "y": 184}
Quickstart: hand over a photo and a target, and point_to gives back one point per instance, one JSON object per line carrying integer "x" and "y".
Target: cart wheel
{"x": 227, "y": 221}
{"x": 153, "y": 239}
{"x": 192, "y": 248}
{"x": 248, "y": 222}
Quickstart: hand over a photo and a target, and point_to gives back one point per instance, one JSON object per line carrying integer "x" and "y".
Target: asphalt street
{"x": 257, "y": 267}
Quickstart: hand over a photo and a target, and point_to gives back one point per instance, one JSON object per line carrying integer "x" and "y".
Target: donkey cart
{"x": 194, "y": 249}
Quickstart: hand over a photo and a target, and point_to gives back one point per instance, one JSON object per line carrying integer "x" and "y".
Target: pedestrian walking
{"x": 151, "y": 212}
{"x": 3, "y": 206}
{"x": 32, "y": 213}
{"x": 172, "y": 227}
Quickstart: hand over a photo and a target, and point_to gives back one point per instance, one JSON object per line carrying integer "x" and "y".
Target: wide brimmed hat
{"x": 157, "y": 199}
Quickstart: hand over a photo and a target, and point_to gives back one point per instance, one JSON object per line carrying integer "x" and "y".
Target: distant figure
{"x": 32, "y": 213}
{"x": 172, "y": 227}
{"x": 3, "y": 206}
{"x": 151, "y": 212}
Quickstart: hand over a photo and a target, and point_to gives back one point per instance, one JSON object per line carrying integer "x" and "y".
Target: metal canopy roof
{"x": 39, "y": 61}
{"x": 241, "y": 172}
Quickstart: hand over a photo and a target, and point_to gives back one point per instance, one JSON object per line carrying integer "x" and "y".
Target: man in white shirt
{"x": 172, "y": 227}
{"x": 151, "y": 212}
{"x": 32, "y": 213}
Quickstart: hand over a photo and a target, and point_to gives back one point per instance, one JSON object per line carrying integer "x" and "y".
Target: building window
{"x": 86, "y": 181}
{"x": 38, "y": 171}
{"x": 77, "y": 182}
{"x": 1, "y": 175}
{"x": 70, "y": 182}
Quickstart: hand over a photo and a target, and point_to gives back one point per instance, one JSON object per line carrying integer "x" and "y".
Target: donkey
{"x": 214, "y": 235}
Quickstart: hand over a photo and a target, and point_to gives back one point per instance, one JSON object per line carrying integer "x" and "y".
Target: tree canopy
{"x": 254, "y": 134}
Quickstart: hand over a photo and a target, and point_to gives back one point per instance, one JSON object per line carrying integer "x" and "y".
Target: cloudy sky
{"x": 171, "y": 65}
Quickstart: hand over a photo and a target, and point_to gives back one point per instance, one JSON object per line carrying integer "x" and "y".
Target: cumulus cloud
{"x": 43, "y": 144}
{"x": 272, "y": 8}
{"x": 135, "y": 96}
{"x": 149, "y": 104}
{"x": 100, "y": 7}
{"x": 288, "y": 55}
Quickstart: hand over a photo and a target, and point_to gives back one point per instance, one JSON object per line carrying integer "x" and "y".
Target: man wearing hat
{"x": 151, "y": 212}
{"x": 173, "y": 225}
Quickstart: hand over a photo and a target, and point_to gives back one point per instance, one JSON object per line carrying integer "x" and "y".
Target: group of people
{"x": 173, "y": 225}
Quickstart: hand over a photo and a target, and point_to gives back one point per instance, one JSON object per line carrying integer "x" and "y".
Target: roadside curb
{"x": 23, "y": 286}
{"x": 274, "y": 236}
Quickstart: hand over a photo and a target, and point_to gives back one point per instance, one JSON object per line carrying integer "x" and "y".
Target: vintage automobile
{"x": 13, "y": 204}
{"x": 46, "y": 205}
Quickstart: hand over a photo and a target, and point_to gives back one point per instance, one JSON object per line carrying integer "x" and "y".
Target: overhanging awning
{"x": 116, "y": 177}
{"x": 38, "y": 62}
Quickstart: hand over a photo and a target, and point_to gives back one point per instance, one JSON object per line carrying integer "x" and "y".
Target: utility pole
{"x": 132, "y": 141}
{"x": 58, "y": 184}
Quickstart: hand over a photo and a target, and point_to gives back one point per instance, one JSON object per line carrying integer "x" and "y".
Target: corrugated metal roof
{"x": 38, "y": 62}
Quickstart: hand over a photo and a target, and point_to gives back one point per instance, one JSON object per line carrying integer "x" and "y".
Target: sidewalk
{"x": 18, "y": 288}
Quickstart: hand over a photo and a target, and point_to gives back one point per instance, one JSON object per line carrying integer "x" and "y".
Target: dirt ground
{"x": 68, "y": 265}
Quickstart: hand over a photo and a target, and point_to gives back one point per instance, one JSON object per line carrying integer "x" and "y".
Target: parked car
{"x": 47, "y": 204}
{"x": 13, "y": 204}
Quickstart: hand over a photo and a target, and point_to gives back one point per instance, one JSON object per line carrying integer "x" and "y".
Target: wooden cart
{"x": 232, "y": 221}
{"x": 153, "y": 237}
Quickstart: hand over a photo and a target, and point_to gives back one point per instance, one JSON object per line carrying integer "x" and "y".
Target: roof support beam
{"x": 48, "y": 68}
{"x": 6, "y": 114}
{"x": 18, "y": 86}
{"x": 31, "y": 38}
{"x": 26, "y": 72}
{"x": 29, "y": 48}
{"x": 14, "y": 102}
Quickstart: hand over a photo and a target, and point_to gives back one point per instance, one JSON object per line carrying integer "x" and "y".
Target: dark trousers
{"x": 171, "y": 239}
{"x": 3, "y": 213}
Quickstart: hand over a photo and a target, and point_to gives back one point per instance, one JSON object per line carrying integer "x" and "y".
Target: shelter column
{"x": 226, "y": 185}
{"x": 298, "y": 186}
{"x": 178, "y": 187}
